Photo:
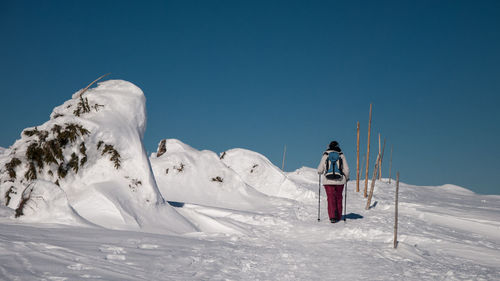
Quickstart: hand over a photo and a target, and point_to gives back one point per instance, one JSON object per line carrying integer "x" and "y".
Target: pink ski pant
{"x": 334, "y": 197}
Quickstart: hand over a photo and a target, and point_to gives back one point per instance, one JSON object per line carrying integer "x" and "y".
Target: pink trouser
{"x": 334, "y": 196}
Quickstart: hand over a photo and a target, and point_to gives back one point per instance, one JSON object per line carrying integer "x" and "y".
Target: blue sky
{"x": 262, "y": 74}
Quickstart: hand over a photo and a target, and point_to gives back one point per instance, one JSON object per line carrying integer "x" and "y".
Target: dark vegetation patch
{"x": 217, "y": 179}
{"x": 11, "y": 167}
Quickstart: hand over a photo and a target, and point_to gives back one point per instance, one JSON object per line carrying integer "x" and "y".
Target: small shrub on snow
{"x": 84, "y": 107}
{"x": 12, "y": 190}
{"x": 73, "y": 162}
{"x": 134, "y": 184}
{"x": 180, "y": 169}
{"x": 110, "y": 149}
{"x": 25, "y": 198}
{"x": 115, "y": 156}
{"x": 31, "y": 172}
{"x": 253, "y": 167}
{"x": 11, "y": 167}
{"x": 217, "y": 179}
{"x": 83, "y": 151}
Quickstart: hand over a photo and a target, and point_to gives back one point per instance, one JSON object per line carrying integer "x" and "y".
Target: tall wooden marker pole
{"x": 284, "y": 155}
{"x": 381, "y": 159}
{"x": 372, "y": 186}
{"x": 357, "y": 160}
{"x": 380, "y": 153}
{"x": 368, "y": 153}
{"x": 396, "y": 213}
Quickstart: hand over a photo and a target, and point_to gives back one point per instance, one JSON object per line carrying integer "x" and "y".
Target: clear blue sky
{"x": 262, "y": 74}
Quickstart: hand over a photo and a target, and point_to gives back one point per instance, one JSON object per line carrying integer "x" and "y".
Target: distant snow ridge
{"x": 88, "y": 163}
{"x": 257, "y": 171}
{"x": 187, "y": 175}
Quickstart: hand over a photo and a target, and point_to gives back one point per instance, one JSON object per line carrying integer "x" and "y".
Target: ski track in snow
{"x": 284, "y": 242}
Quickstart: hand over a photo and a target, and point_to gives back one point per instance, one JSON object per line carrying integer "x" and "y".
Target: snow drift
{"x": 187, "y": 175}
{"x": 88, "y": 163}
{"x": 257, "y": 171}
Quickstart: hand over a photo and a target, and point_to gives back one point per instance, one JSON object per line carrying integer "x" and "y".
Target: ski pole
{"x": 345, "y": 200}
{"x": 319, "y": 195}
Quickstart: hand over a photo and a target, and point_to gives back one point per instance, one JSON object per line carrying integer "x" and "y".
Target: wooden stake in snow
{"x": 283, "y": 164}
{"x": 381, "y": 159}
{"x": 390, "y": 166}
{"x": 357, "y": 159}
{"x": 368, "y": 152}
{"x": 396, "y": 212}
{"x": 380, "y": 153}
{"x": 374, "y": 179}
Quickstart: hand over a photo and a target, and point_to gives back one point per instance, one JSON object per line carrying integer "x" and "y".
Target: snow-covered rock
{"x": 257, "y": 171}
{"x": 91, "y": 154}
{"x": 187, "y": 175}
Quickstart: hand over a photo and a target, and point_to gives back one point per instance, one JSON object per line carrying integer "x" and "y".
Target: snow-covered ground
{"x": 196, "y": 215}
{"x": 446, "y": 233}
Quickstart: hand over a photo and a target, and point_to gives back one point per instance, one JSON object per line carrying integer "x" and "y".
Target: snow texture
{"x": 121, "y": 193}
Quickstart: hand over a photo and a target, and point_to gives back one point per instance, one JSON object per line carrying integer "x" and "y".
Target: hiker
{"x": 335, "y": 171}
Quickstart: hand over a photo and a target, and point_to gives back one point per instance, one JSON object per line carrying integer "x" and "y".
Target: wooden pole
{"x": 362, "y": 163}
{"x": 390, "y": 166}
{"x": 283, "y": 164}
{"x": 381, "y": 159}
{"x": 380, "y": 153}
{"x": 368, "y": 152}
{"x": 357, "y": 159}
{"x": 396, "y": 213}
{"x": 374, "y": 179}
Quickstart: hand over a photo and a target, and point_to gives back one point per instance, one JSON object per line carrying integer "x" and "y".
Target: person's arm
{"x": 322, "y": 165}
{"x": 345, "y": 169}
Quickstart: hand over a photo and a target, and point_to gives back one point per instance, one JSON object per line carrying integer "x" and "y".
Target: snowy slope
{"x": 87, "y": 164}
{"x": 187, "y": 175}
{"x": 256, "y": 170}
{"x": 444, "y": 234}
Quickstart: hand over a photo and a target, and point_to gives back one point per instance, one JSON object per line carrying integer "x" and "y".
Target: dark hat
{"x": 334, "y": 145}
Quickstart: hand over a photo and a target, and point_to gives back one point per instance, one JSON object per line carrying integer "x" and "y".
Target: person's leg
{"x": 338, "y": 189}
{"x": 330, "y": 198}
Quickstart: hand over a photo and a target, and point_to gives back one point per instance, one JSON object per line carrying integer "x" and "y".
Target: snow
{"x": 286, "y": 243}
{"x": 230, "y": 216}
{"x": 124, "y": 197}
{"x": 187, "y": 175}
{"x": 259, "y": 172}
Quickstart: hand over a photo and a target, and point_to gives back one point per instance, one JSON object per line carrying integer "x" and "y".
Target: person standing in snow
{"x": 333, "y": 166}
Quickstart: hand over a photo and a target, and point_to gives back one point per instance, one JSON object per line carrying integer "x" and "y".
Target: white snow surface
{"x": 259, "y": 172}
{"x": 255, "y": 223}
{"x": 97, "y": 193}
{"x": 187, "y": 175}
{"x": 444, "y": 234}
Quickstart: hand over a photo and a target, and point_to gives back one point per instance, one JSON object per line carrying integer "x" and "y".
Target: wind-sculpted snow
{"x": 257, "y": 171}
{"x": 187, "y": 175}
{"x": 91, "y": 154}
